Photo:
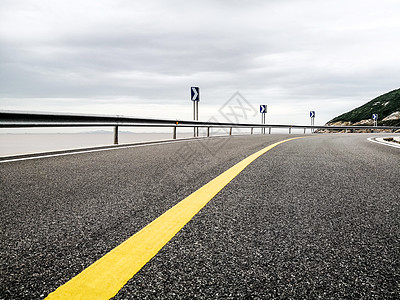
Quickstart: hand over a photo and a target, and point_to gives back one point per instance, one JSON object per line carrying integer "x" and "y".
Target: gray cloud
{"x": 153, "y": 51}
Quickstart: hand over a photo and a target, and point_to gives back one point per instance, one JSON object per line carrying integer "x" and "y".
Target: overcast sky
{"x": 139, "y": 58}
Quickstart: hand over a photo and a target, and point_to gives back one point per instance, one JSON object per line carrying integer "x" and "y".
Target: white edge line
{"x": 382, "y": 143}
{"x": 88, "y": 151}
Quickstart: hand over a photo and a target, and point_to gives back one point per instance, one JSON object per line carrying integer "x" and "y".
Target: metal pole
{"x": 194, "y": 117}
{"x": 208, "y": 131}
{"x": 313, "y": 123}
{"x": 174, "y": 133}
{"x": 270, "y": 130}
{"x": 197, "y": 116}
{"x": 251, "y": 132}
{"x": 116, "y": 135}
{"x": 230, "y": 131}
{"x": 262, "y": 122}
{"x": 290, "y": 130}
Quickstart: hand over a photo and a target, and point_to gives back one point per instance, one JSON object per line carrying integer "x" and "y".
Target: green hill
{"x": 387, "y": 107}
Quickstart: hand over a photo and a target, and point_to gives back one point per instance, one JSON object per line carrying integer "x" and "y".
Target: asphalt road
{"x": 312, "y": 218}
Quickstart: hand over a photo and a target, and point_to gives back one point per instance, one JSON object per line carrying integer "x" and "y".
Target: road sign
{"x": 312, "y": 116}
{"x": 195, "y": 93}
{"x": 374, "y": 117}
{"x": 263, "y": 109}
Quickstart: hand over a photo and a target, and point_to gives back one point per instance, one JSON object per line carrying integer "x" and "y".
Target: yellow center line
{"x": 104, "y": 278}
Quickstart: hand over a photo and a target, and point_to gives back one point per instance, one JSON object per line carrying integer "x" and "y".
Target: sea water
{"x": 26, "y": 143}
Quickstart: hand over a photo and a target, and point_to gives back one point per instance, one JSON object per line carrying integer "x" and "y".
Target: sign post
{"x": 312, "y": 116}
{"x": 263, "y": 111}
{"x": 375, "y": 118}
{"x": 195, "y": 97}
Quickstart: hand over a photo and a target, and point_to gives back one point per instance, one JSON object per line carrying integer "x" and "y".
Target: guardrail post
{"x": 230, "y": 131}
{"x": 270, "y": 130}
{"x": 304, "y": 130}
{"x": 251, "y": 132}
{"x": 174, "y": 133}
{"x": 208, "y": 131}
{"x": 290, "y": 130}
{"x": 116, "y": 135}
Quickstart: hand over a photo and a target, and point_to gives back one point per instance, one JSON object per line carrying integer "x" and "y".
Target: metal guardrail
{"x": 16, "y": 119}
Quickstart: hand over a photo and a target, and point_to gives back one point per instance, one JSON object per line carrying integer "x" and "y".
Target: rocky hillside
{"x": 386, "y": 106}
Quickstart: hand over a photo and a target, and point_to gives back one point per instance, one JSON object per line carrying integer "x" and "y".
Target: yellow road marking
{"x": 104, "y": 278}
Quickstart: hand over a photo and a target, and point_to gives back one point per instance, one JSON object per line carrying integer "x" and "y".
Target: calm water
{"x": 12, "y": 144}
{"x": 24, "y": 143}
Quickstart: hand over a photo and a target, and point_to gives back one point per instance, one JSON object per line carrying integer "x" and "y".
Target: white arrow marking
{"x": 195, "y": 94}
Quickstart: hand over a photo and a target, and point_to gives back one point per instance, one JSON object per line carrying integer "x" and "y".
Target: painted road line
{"x": 383, "y": 143}
{"x": 104, "y": 278}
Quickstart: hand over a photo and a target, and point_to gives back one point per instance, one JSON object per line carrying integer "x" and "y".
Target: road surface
{"x": 314, "y": 217}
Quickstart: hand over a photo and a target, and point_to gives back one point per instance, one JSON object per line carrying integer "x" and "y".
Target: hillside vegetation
{"x": 387, "y": 107}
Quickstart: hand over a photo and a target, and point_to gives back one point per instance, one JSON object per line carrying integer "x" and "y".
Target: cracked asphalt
{"x": 313, "y": 218}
